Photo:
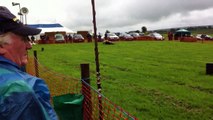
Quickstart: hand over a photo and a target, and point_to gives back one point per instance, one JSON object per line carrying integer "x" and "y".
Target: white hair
{"x": 5, "y": 38}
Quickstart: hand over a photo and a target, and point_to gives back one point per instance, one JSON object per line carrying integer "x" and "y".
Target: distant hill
{"x": 206, "y": 29}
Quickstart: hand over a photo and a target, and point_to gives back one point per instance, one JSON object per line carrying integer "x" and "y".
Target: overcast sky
{"x": 117, "y": 15}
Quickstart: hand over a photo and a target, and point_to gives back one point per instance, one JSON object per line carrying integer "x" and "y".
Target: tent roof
{"x": 182, "y": 30}
{"x": 45, "y": 25}
{"x": 57, "y": 29}
{"x": 52, "y": 28}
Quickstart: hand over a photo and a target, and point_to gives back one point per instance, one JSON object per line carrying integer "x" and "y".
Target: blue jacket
{"x": 22, "y": 96}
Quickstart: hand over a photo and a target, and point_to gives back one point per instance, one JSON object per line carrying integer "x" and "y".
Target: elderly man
{"x": 22, "y": 96}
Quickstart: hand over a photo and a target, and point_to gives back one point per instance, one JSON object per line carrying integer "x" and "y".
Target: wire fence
{"x": 95, "y": 105}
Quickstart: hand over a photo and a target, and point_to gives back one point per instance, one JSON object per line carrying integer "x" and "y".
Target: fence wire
{"x": 95, "y": 106}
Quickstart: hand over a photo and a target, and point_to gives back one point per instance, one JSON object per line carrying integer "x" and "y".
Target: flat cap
{"x": 9, "y": 23}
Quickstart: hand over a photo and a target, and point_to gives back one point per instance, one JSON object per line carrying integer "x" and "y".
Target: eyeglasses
{"x": 25, "y": 39}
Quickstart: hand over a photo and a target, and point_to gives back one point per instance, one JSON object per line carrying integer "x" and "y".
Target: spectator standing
{"x": 89, "y": 37}
{"x": 170, "y": 35}
{"x": 22, "y": 96}
{"x": 33, "y": 40}
{"x": 99, "y": 37}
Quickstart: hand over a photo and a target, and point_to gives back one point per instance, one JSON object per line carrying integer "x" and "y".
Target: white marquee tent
{"x": 51, "y": 28}
{"x": 56, "y": 29}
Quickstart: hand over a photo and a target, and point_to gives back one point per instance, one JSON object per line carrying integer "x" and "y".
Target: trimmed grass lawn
{"x": 153, "y": 80}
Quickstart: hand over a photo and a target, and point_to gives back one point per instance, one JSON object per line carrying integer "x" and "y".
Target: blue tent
{"x": 45, "y": 25}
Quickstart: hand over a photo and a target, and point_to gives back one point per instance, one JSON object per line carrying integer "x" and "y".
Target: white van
{"x": 59, "y": 38}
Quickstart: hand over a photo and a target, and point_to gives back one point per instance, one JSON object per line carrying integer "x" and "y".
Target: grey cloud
{"x": 125, "y": 14}
{"x": 153, "y": 10}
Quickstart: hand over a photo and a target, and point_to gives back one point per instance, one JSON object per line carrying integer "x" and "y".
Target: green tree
{"x": 144, "y": 29}
{"x": 107, "y": 31}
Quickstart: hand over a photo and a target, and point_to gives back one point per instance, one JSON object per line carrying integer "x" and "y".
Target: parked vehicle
{"x": 141, "y": 34}
{"x": 204, "y": 37}
{"x": 198, "y": 36}
{"x": 135, "y": 35}
{"x": 112, "y": 37}
{"x": 77, "y": 38}
{"x": 59, "y": 38}
{"x": 125, "y": 36}
{"x": 156, "y": 36}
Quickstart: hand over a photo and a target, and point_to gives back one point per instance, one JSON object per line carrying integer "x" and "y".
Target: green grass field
{"x": 153, "y": 80}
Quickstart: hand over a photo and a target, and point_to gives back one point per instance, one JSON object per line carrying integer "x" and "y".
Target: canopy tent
{"x": 181, "y": 33}
{"x": 182, "y": 30}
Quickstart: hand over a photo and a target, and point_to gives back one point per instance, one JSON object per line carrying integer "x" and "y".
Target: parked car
{"x": 204, "y": 37}
{"x": 112, "y": 37}
{"x": 156, "y": 36}
{"x": 59, "y": 38}
{"x": 198, "y": 36}
{"x": 141, "y": 34}
{"x": 125, "y": 36}
{"x": 77, "y": 38}
{"x": 135, "y": 35}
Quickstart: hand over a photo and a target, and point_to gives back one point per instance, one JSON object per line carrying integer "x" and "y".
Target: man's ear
{"x": 2, "y": 50}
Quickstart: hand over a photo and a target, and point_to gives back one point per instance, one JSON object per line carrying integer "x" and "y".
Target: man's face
{"x": 17, "y": 49}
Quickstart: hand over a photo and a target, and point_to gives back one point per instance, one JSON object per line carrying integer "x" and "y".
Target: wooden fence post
{"x": 86, "y": 91}
{"x": 209, "y": 68}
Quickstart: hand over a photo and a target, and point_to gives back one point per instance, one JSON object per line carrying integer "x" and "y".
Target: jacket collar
{"x": 6, "y": 62}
